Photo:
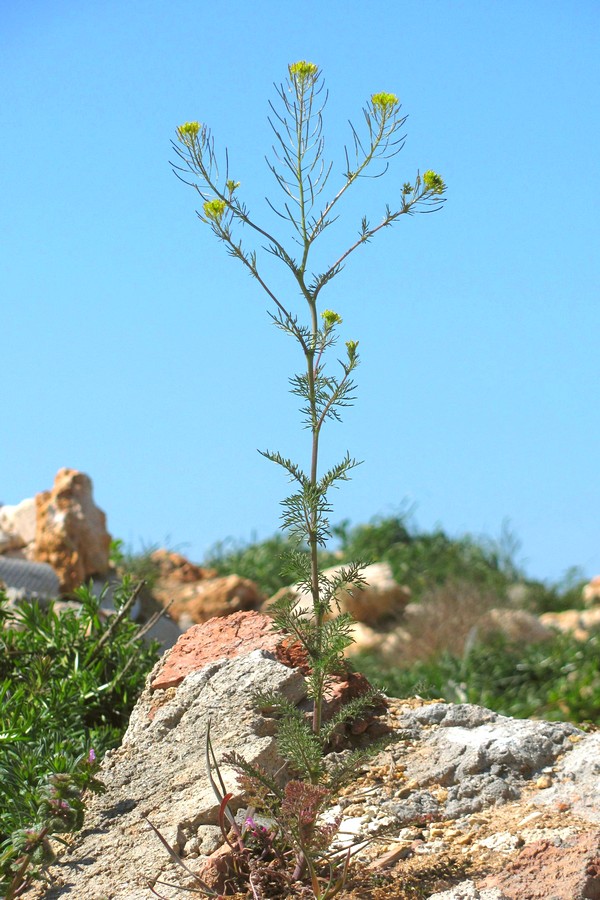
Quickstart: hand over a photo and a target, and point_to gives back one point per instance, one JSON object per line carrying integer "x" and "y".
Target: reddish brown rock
{"x": 544, "y": 871}
{"x": 203, "y": 600}
{"x": 226, "y": 637}
{"x": 71, "y": 531}
{"x": 217, "y": 872}
{"x": 293, "y": 654}
{"x": 174, "y": 567}
{"x": 219, "y": 638}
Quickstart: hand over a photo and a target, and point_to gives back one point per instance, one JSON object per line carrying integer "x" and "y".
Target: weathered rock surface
{"x": 200, "y": 601}
{"x": 378, "y": 599}
{"x": 220, "y": 638}
{"x": 591, "y": 591}
{"x": 159, "y": 772}
{"x": 17, "y": 527}
{"x": 578, "y": 622}
{"x": 510, "y": 802}
{"x": 176, "y": 568}
{"x": 71, "y": 531}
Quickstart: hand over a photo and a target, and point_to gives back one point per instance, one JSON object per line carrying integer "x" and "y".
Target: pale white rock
{"x": 18, "y": 522}
{"x": 379, "y": 598}
{"x": 591, "y": 591}
{"x": 467, "y": 891}
{"x": 577, "y": 779}
{"x": 9, "y": 541}
{"x": 159, "y": 771}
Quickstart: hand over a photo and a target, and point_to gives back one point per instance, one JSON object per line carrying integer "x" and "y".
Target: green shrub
{"x": 566, "y": 594}
{"x": 137, "y": 565}
{"x": 68, "y": 683}
{"x": 421, "y": 560}
{"x": 417, "y": 559}
{"x": 424, "y": 560}
{"x": 261, "y": 562}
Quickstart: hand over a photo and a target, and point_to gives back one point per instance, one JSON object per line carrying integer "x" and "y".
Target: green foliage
{"x": 422, "y": 560}
{"x": 68, "y": 683}
{"x": 558, "y": 679}
{"x": 262, "y": 561}
{"x": 136, "y": 565}
{"x": 419, "y": 559}
{"x": 566, "y": 594}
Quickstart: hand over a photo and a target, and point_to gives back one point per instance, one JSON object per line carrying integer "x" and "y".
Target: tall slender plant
{"x": 302, "y": 173}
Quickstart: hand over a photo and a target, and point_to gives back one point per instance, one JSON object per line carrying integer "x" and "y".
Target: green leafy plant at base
{"x": 68, "y": 682}
{"x": 302, "y": 173}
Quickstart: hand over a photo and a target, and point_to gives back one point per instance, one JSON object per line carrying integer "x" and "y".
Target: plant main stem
{"x": 312, "y": 537}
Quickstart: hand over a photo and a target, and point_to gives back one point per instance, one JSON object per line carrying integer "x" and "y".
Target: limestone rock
{"x": 174, "y": 567}
{"x": 459, "y": 783}
{"x": 591, "y": 591}
{"x": 159, "y": 772}
{"x": 468, "y": 891}
{"x": 516, "y": 625}
{"x": 576, "y": 784}
{"x": 17, "y": 525}
{"x": 380, "y": 598}
{"x": 71, "y": 531}
{"x": 578, "y": 622}
{"x": 199, "y": 601}
{"x": 365, "y": 638}
{"x": 9, "y": 541}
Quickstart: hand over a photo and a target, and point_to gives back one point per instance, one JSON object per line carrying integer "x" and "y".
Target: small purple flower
{"x": 91, "y": 756}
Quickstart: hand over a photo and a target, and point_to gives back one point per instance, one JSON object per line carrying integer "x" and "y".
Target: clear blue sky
{"x": 135, "y": 350}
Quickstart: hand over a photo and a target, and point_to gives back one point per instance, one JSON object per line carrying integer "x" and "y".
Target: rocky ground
{"x": 464, "y": 804}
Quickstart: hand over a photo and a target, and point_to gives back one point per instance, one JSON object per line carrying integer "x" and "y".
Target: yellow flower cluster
{"x": 331, "y": 318}
{"x": 188, "y": 130}
{"x": 214, "y": 209}
{"x": 301, "y": 71}
{"x": 384, "y": 102}
{"x": 433, "y": 182}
